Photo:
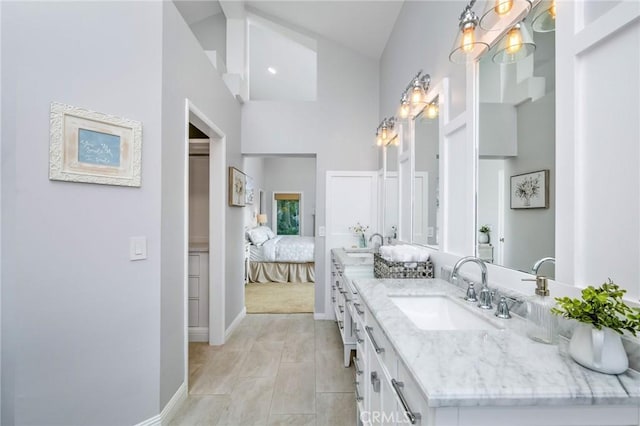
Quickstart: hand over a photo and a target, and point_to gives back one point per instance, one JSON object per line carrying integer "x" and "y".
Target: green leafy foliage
{"x": 484, "y": 229}
{"x": 601, "y": 307}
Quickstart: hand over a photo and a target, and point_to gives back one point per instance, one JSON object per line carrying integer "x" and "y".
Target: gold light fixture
{"x": 466, "y": 47}
{"x": 498, "y": 14}
{"x": 517, "y": 44}
{"x": 385, "y": 133}
{"x": 545, "y": 17}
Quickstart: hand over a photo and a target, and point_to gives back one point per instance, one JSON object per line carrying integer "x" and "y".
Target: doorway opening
{"x": 204, "y": 212}
{"x": 280, "y": 230}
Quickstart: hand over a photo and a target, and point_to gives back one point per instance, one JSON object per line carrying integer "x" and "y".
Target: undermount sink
{"x": 439, "y": 312}
{"x": 351, "y": 250}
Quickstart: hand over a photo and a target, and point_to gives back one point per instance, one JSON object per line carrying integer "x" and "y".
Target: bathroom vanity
{"x": 463, "y": 366}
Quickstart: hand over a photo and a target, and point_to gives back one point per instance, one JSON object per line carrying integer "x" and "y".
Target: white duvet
{"x": 289, "y": 248}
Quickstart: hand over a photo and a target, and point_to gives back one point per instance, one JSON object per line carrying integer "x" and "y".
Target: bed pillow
{"x": 269, "y": 232}
{"x": 258, "y": 235}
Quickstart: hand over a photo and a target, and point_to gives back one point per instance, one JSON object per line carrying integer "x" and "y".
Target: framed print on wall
{"x": 92, "y": 147}
{"x": 530, "y": 190}
{"x": 237, "y": 192}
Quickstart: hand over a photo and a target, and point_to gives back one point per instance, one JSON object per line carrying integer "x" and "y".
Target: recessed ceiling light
{"x": 272, "y": 70}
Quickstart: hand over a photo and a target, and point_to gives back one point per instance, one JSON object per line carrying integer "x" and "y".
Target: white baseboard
{"x": 169, "y": 410}
{"x": 323, "y": 316}
{"x": 235, "y": 323}
{"x": 198, "y": 334}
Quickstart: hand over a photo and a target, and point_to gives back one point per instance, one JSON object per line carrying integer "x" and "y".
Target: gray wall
{"x": 187, "y": 73}
{"x": 211, "y": 32}
{"x": 291, "y": 174}
{"x": 254, "y": 167}
{"x": 338, "y": 128}
{"x": 80, "y": 321}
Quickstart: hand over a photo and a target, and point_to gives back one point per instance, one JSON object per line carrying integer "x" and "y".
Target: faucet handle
{"x": 486, "y": 296}
{"x": 503, "y": 309}
{"x": 471, "y": 293}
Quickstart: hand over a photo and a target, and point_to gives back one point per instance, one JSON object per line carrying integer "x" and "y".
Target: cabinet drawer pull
{"x": 410, "y": 415}
{"x": 375, "y": 381}
{"x": 377, "y": 348}
{"x": 346, "y": 299}
{"x": 333, "y": 299}
{"x": 343, "y": 291}
{"x": 333, "y": 287}
{"x": 341, "y": 308}
{"x": 358, "y": 397}
{"x": 358, "y": 338}
{"x": 357, "y": 365}
{"x": 358, "y": 310}
{"x": 341, "y": 325}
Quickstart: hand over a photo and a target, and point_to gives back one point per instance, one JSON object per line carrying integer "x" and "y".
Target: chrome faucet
{"x": 540, "y": 262}
{"x": 381, "y": 240}
{"x": 485, "y": 293}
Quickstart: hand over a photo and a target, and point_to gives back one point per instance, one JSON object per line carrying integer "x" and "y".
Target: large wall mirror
{"x": 390, "y": 192}
{"x": 516, "y": 165}
{"x": 426, "y": 184}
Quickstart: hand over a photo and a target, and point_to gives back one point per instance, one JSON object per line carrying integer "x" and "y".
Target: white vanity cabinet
{"x": 341, "y": 298}
{"x": 198, "y": 291}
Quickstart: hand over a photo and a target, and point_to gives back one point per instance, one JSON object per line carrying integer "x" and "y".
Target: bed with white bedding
{"x": 280, "y": 258}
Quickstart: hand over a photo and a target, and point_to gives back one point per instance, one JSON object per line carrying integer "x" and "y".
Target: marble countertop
{"x": 199, "y": 247}
{"x": 499, "y": 367}
{"x": 346, "y": 260}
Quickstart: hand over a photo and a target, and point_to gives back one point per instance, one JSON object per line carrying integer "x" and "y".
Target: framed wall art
{"x": 237, "y": 185}
{"x": 93, "y": 147}
{"x": 249, "y": 190}
{"x": 530, "y": 190}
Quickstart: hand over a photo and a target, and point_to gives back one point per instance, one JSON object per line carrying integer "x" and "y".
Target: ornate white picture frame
{"x": 92, "y": 147}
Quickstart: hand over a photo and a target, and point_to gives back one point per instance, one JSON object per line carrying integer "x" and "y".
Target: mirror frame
{"x": 441, "y": 92}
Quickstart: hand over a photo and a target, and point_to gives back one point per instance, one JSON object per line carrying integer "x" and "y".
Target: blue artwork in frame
{"x": 98, "y": 148}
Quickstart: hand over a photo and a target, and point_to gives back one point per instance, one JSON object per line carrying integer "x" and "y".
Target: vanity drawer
{"x": 380, "y": 344}
{"x": 410, "y": 391}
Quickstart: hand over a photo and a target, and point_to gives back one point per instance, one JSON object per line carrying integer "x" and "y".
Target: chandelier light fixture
{"x": 413, "y": 99}
{"x": 386, "y": 132}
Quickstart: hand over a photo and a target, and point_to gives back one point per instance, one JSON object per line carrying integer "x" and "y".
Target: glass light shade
{"x": 516, "y": 44}
{"x": 545, "y": 17}
{"x": 499, "y": 14}
{"x": 404, "y": 110}
{"x": 466, "y": 47}
{"x": 378, "y": 140}
{"x": 417, "y": 95}
{"x": 431, "y": 111}
{"x": 384, "y": 133}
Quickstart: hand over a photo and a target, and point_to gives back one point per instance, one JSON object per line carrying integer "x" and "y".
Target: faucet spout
{"x": 540, "y": 262}
{"x": 377, "y": 235}
{"x": 477, "y": 261}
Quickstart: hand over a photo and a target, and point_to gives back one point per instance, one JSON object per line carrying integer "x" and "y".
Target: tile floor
{"x": 275, "y": 369}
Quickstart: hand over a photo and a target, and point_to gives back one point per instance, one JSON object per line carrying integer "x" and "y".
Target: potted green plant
{"x": 484, "y": 237}
{"x": 603, "y": 318}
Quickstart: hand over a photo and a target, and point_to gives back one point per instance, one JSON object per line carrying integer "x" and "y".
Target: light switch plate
{"x": 321, "y": 231}
{"x": 137, "y": 248}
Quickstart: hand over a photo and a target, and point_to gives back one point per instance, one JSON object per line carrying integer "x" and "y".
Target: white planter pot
{"x": 599, "y": 350}
{"x": 483, "y": 238}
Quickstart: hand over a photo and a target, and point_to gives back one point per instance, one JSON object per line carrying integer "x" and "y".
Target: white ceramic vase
{"x": 483, "y": 238}
{"x": 599, "y": 350}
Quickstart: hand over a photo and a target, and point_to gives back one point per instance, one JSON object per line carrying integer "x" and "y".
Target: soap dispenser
{"x": 542, "y": 325}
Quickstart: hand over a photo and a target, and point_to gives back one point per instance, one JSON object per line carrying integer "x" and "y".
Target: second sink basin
{"x": 362, "y": 255}
{"x": 439, "y": 312}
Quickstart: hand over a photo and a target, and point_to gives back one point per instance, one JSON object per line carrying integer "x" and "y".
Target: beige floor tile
{"x": 299, "y": 347}
{"x": 327, "y": 335}
{"x": 250, "y": 402}
{"x": 218, "y": 375}
{"x": 335, "y": 409}
{"x": 301, "y": 323}
{"x": 201, "y": 410}
{"x": 292, "y": 420}
{"x": 331, "y": 375}
{"x": 260, "y": 363}
{"x": 274, "y": 330}
{"x": 294, "y": 391}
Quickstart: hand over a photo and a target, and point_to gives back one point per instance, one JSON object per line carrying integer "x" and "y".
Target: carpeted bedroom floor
{"x": 279, "y": 298}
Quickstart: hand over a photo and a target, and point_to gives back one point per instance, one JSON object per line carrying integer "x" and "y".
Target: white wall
{"x": 338, "y": 127}
{"x": 81, "y": 321}
{"x": 292, "y": 174}
{"x": 187, "y": 73}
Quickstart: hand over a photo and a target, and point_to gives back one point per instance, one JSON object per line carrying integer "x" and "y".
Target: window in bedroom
{"x": 287, "y": 212}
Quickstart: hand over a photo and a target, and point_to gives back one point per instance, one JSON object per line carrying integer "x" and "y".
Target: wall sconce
{"x": 545, "y": 17}
{"x": 386, "y": 133}
{"x": 262, "y": 219}
{"x": 517, "y": 44}
{"x": 414, "y": 95}
{"x": 431, "y": 110}
{"x": 499, "y": 13}
{"x": 466, "y": 47}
